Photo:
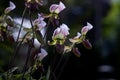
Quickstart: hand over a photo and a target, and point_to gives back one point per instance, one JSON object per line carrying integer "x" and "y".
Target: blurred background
{"x": 102, "y": 62}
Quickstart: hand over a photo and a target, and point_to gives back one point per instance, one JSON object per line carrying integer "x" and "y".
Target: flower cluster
{"x": 33, "y": 36}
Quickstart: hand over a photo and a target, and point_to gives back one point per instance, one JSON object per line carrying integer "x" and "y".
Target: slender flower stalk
{"x": 26, "y": 62}
{"x": 23, "y": 15}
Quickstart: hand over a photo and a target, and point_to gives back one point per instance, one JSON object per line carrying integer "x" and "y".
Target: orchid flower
{"x": 81, "y": 36}
{"x": 60, "y": 34}
{"x": 39, "y": 23}
{"x": 57, "y": 8}
{"x": 10, "y": 8}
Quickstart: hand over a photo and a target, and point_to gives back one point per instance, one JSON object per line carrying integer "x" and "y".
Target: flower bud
{"x": 86, "y": 43}
{"x": 76, "y": 52}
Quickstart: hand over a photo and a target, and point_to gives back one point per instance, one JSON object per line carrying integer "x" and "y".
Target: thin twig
{"x": 47, "y": 28}
{"x": 23, "y": 15}
{"x": 16, "y": 50}
{"x": 62, "y": 68}
{"x": 57, "y": 66}
{"x": 27, "y": 60}
{"x": 18, "y": 45}
{"x": 30, "y": 15}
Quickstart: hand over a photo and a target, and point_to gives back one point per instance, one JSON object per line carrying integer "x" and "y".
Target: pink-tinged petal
{"x": 53, "y": 7}
{"x": 64, "y": 29}
{"x": 85, "y": 29}
{"x": 61, "y": 7}
{"x": 43, "y": 54}
{"x": 57, "y": 8}
{"x": 10, "y": 8}
{"x": 61, "y": 32}
{"x": 41, "y": 25}
{"x": 56, "y": 32}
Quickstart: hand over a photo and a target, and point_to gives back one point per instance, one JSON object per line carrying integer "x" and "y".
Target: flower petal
{"x": 64, "y": 29}
{"x": 10, "y": 8}
{"x": 53, "y": 7}
{"x": 57, "y": 8}
{"x": 61, "y": 7}
{"x": 36, "y": 43}
{"x": 89, "y": 25}
{"x": 43, "y": 54}
{"x": 85, "y": 29}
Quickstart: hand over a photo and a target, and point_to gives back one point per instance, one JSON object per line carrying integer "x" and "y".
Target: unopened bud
{"x": 86, "y": 43}
{"x": 76, "y": 52}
